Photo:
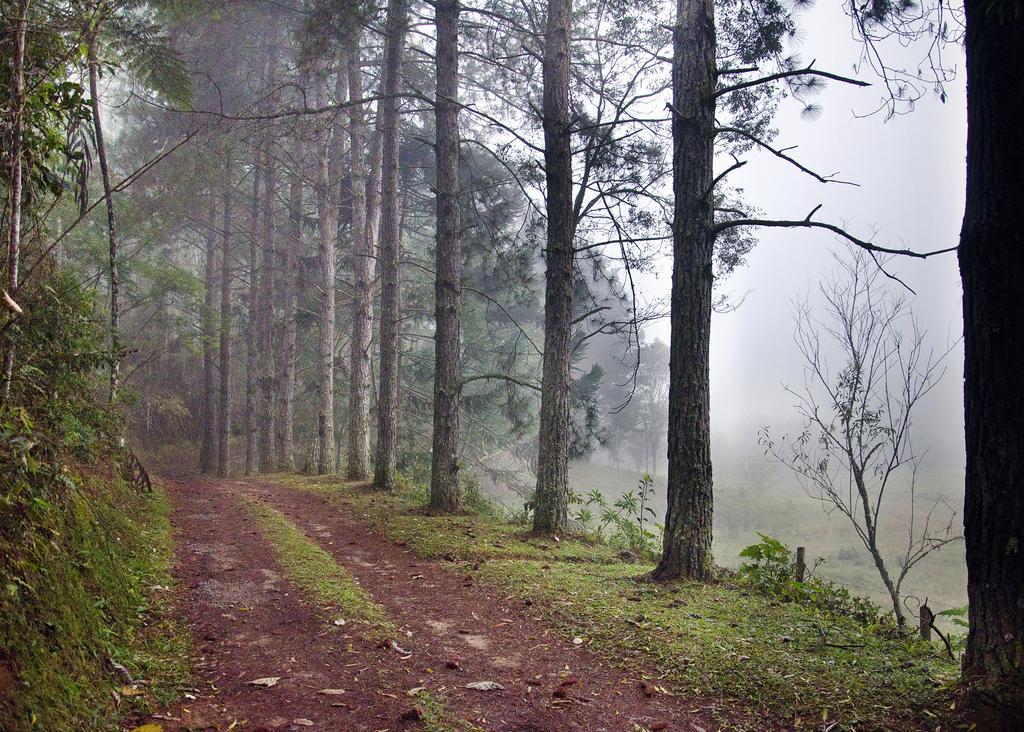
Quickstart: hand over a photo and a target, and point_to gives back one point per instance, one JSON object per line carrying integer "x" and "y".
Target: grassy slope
{"x": 86, "y": 587}
{"x": 784, "y": 511}
{"x": 733, "y": 648}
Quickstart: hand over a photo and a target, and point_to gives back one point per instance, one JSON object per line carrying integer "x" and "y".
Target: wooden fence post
{"x": 801, "y": 565}
{"x": 925, "y": 619}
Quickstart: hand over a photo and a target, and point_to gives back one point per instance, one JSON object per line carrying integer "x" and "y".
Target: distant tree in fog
{"x": 639, "y": 427}
{"x": 856, "y": 448}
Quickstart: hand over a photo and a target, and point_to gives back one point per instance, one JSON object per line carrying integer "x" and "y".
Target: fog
{"x": 910, "y": 175}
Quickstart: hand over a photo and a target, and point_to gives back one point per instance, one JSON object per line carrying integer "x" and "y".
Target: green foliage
{"x": 77, "y": 579}
{"x": 60, "y": 354}
{"x": 627, "y": 522}
{"x": 51, "y": 414}
{"x": 957, "y": 617}
{"x": 80, "y": 551}
{"x": 772, "y": 571}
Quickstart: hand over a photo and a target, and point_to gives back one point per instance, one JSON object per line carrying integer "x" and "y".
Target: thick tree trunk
{"x": 208, "y": 444}
{"x": 390, "y": 247}
{"x": 15, "y": 186}
{"x": 687, "y": 542}
{"x": 252, "y": 366}
{"x": 328, "y": 201}
{"x": 551, "y": 501}
{"x": 358, "y": 467}
{"x": 293, "y": 247}
{"x": 224, "y": 394}
{"x": 101, "y": 154}
{"x": 444, "y": 467}
{"x": 992, "y": 269}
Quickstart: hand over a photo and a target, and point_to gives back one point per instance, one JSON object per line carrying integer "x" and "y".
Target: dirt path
{"x": 249, "y": 622}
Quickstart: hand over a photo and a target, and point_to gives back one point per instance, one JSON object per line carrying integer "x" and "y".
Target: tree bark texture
{"x": 15, "y": 186}
{"x": 251, "y": 360}
{"x": 224, "y": 392}
{"x": 208, "y": 443}
{"x": 265, "y": 317}
{"x": 293, "y": 247}
{"x": 358, "y": 466}
{"x": 551, "y": 500}
{"x": 444, "y": 466}
{"x": 390, "y": 246}
{"x": 687, "y": 541}
{"x": 991, "y": 258}
{"x": 329, "y": 202}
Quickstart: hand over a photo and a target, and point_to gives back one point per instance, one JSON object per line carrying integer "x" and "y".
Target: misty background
{"x": 910, "y": 175}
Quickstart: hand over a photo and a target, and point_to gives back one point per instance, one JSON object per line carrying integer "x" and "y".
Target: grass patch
{"x": 84, "y": 584}
{"x": 316, "y": 572}
{"x": 475, "y": 536}
{"x": 732, "y": 647}
{"x": 436, "y": 715}
{"x": 804, "y": 668}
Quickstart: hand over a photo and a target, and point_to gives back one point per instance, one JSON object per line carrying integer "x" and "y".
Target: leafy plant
{"x": 772, "y": 572}
{"x": 957, "y": 642}
{"x": 628, "y": 522}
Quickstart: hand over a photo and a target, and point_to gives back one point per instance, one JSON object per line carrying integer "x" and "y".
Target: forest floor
{"x": 350, "y": 630}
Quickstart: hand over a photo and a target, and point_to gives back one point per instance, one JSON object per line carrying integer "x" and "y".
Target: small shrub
{"x": 772, "y": 571}
{"x": 628, "y": 522}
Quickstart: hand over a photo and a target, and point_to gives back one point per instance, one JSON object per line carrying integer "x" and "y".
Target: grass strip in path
{"x": 315, "y": 571}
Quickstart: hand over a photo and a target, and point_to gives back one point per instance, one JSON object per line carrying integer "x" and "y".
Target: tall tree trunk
{"x": 208, "y": 445}
{"x": 329, "y": 202}
{"x": 992, "y": 269}
{"x": 265, "y": 317}
{"x": 358, "y": 467}
{"x": 444, "y": 467}
{"x": 224, "y": 393}
{"x": 293, "y": 248}
{"x": 551, "y": 501}
{"x": 390, "y": 247}
{"x": 15, "y": 187}
{"x": 101, "y": 153}
{"x": 687, "y": 542}
{"x": 373, "y": 187}
{"x": 252, "y": 366}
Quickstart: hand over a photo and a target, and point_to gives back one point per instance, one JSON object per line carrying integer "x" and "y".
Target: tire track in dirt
{"x": 458, "y": 632}
{"x": 248, "y": 622}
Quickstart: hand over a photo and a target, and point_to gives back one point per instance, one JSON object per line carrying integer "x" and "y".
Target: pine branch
{"x": 806, "y": 71}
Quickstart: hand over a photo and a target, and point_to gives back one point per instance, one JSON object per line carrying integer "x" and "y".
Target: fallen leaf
{"x": 131, "y": 691}
{"x": 339, "y": 621}
{"x": 416, "y": 690}
{"x": 149, "y": 728}
{"x": 577, "y": 641}
{"x": 266, "y": 682}
{"x": 331, "y": 692}
{"x": 303, "y": 722}
{"x": 485, "y": 686}
{"x": 398, "y": 649}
